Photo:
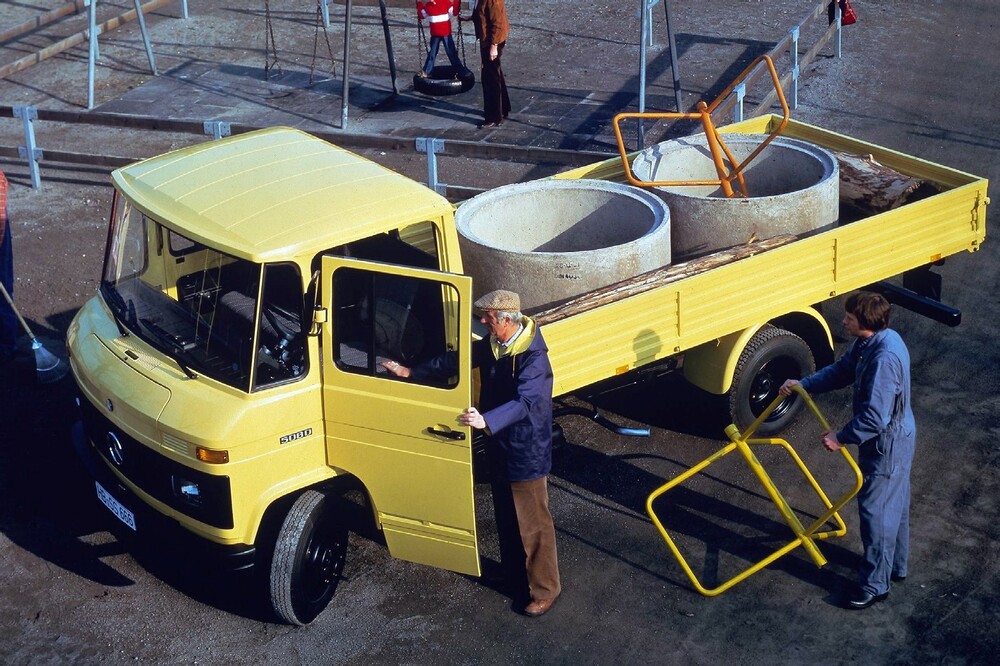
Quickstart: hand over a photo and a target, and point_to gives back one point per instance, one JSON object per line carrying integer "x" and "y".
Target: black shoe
{"x": 896, "y": 578}
{"x": 862, "y": 599}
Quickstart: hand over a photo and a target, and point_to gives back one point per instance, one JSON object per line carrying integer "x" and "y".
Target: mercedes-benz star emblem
{"x": 115, "y": 449}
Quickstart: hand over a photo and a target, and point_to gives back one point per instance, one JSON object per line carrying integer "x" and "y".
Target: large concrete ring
{"x": 551, "y": 240}
{"x": 793, "y": 186}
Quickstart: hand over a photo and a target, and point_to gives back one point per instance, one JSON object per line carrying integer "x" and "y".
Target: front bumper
{"x": 153, "y": 525}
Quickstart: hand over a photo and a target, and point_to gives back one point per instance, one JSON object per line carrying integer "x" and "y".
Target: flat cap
{"x": 505, "y": 301}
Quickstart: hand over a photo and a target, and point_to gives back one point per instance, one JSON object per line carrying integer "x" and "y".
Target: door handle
{"x": 450, "y": 434}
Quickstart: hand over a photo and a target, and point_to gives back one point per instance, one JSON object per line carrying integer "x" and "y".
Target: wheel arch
{"x": 302, "y": 547}
{"x": 810, "y": 325}
{"x": 711, "y": 366}
{"x": 274, "y": 515}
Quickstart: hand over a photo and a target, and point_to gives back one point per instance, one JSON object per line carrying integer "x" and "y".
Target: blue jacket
{"x": 515, "y": 399}
{"x": 516, "y": 402}
{"x": 879, "y": 368}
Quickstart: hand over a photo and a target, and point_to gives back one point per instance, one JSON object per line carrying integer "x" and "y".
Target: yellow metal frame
{"x": 804, "y": 536}
{"x": 715, "y": 143}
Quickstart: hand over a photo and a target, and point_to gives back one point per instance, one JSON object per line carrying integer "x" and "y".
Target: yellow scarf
{"x": 520, "y": 343}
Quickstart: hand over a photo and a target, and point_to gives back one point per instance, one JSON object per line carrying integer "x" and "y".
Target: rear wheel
{"x": 309, "y": 556}
{"x": 772, "y": 356}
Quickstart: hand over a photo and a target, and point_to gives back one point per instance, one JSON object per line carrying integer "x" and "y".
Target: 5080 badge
{"x": 285, "y": 439}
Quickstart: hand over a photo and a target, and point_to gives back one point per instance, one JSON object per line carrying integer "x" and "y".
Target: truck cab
{"x": 230, "y": 367}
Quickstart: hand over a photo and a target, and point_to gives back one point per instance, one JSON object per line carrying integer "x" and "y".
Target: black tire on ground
{"x": 443, "y": 81}
{"x": 772, "y": 356}
{"x": 308, "y": 560}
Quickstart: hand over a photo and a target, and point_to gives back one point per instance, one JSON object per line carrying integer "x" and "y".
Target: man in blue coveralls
{"x": 883, "y": 428}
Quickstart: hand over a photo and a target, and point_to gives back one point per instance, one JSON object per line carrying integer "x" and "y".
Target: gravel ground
{"x": 917, "y": 78}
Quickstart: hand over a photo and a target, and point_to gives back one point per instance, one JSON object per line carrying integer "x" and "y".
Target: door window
{"x": 280, "y": 339}
{"x": 380, "y": 317}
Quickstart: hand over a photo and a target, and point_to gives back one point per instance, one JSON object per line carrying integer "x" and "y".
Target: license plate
{"x": 115, "y": 506}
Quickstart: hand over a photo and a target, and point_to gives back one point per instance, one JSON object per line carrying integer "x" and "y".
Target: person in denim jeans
{"x": 439, "y": 14}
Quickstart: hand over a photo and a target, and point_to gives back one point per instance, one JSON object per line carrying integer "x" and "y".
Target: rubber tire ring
{"x": 442, "y": 82}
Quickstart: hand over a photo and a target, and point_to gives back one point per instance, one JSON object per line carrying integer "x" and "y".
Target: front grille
{"x": 157, "y": 475}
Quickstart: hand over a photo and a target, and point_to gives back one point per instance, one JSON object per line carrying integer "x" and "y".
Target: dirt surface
{"x": 916, "y": 78}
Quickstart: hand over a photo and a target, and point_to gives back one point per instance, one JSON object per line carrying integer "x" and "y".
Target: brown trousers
{"x": 496, "y": 102}
{"x": 527, "y": 537}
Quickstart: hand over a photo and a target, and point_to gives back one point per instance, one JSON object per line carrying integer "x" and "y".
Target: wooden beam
{"x": 75, "y": 40}
{"x": 73, "y": 7}
{"x": 657, "y": 278}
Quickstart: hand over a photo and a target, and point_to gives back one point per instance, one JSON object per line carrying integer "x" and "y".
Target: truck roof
{"x": 274, "y": 194}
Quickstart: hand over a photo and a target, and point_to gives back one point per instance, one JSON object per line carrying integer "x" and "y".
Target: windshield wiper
{"x": 116, "y": 303}
{"x": 176, "y": 346}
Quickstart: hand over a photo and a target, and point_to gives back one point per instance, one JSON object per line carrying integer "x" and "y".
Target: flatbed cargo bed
{"x": 596, "y": 336}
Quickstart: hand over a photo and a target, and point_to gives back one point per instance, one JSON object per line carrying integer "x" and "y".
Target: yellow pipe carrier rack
{"x": 804, "y": 536}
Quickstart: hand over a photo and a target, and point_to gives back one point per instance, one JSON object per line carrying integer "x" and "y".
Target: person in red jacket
{"x": 439, "y": 13}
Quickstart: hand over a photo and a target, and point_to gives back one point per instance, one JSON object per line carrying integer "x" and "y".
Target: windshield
{"x": 200, "y": 306}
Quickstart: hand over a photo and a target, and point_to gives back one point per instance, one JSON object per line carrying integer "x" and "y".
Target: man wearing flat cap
{"x": 515, "y": 409}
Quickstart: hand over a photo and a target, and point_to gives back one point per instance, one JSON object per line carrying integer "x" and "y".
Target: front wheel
{"x": 772, "y": 356}
{"x": 308, "y": 561}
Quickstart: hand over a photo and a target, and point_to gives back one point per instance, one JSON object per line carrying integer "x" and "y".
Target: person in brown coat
{"x": 492, "y": 28}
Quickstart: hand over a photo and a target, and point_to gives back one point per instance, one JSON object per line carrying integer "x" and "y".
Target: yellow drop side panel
{"x": 675, "y": 317}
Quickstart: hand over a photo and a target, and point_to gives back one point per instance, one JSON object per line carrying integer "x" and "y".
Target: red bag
{"x": 847, "y": 15}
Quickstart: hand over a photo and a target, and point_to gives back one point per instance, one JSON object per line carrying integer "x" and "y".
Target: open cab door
{"x": 401, "y": 437}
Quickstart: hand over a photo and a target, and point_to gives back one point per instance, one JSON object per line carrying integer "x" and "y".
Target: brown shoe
{"x": 539, "y": 607}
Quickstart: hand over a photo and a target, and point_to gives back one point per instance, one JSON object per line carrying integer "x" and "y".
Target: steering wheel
{"x": 279, "y": 326}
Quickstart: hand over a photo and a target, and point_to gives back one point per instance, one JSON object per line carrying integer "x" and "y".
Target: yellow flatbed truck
{"x": 229, "y": 367}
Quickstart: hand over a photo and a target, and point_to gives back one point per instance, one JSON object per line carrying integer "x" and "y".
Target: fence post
{"x": 795, "y": 67}
{"x": 839, "y": 26}
{"x": 30, "y": 152}
{"x": 649, "y": 20}
{"x": 643, "y": 26}
{"x": 93, "y": 54}
{"x": 217, "y": 128}
{"x": 741, "y": 93}
{"x": 432, "y": 147}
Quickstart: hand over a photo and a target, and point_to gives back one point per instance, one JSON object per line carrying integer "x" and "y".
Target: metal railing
{"x": 716, "y": 144}
{"x": 433, "y": 148}
{"x": 733, "y": 108}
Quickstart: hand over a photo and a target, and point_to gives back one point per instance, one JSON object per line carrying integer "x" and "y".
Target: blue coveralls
{"x": 885, "y": 432}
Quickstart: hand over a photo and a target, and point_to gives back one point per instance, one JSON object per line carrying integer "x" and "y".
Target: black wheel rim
{"x": 322, "y": 563}
{"x": 765, "y": 387}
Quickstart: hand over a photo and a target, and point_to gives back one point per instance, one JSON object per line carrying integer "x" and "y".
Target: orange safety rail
{"x": 715, "y": 142}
